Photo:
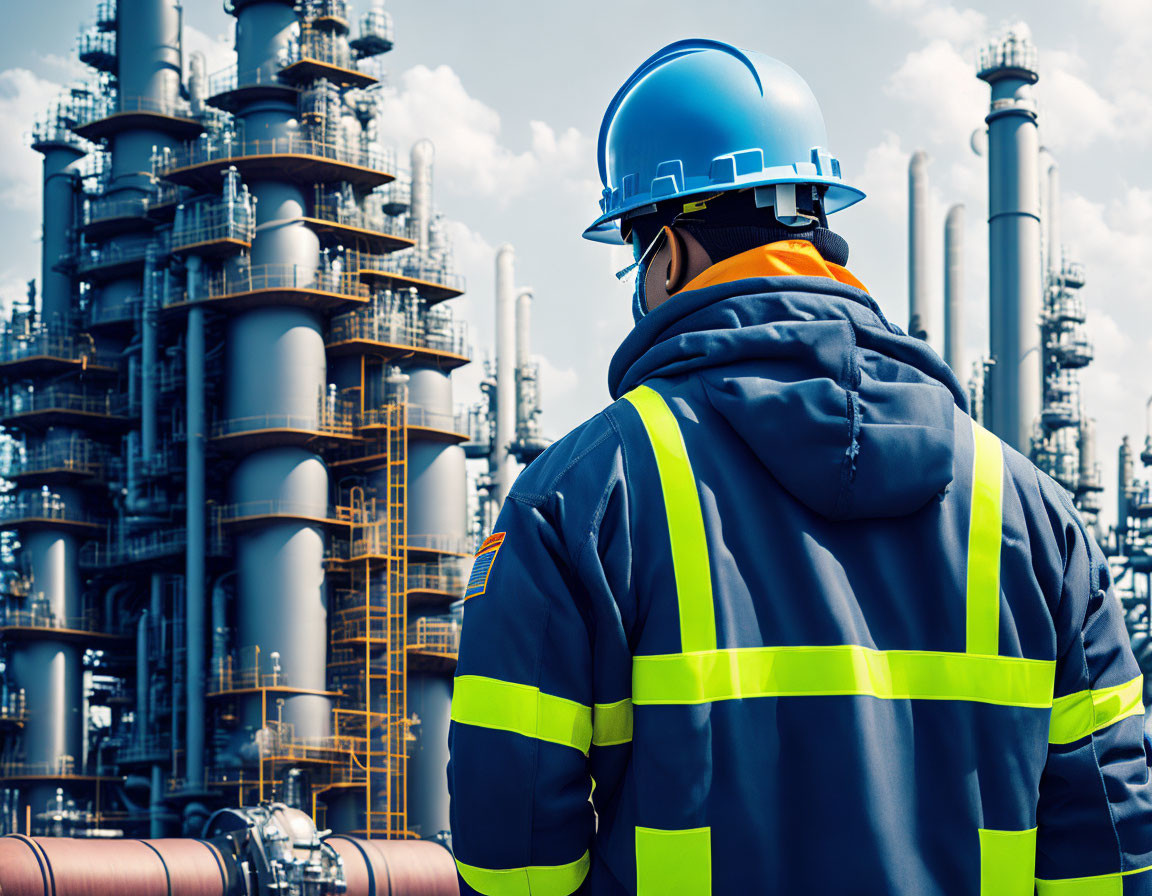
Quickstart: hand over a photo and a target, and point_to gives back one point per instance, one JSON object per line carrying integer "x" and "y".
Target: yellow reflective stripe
{"x": 690, "y": 562}
{"x": 612, "y": 723}
{"x": 984, "y": 538}
{"x": 521, "y": 709}
{"x": 746, "y": 672}
{"x": 677, "y": 862}
{"x": 1100, "y": 885}
{"x": 534, "y": 880}
{"x": 1007, "y": 862}
{"x": 1087, "y": 712}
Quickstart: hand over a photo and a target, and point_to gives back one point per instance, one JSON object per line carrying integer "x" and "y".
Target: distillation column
{"x": 954, "y": 291}
{"x": 276, "y": 378}
{"x": 437, "y": 510}
{"x": 1014, "y": 245}
{"x": 921, "y": 322}
{"x": 502, "y": 463}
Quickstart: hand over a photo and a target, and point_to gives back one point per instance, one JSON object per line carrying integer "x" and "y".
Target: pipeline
{"x": 270, "y": 850}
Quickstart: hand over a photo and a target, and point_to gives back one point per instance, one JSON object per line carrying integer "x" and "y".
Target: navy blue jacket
{"x": 833, "y": 460}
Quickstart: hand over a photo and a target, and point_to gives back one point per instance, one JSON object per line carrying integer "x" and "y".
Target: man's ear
{"x": 677, "y": 261}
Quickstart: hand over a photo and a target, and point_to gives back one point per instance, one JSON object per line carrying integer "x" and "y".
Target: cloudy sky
{"x": 512, "y": 93}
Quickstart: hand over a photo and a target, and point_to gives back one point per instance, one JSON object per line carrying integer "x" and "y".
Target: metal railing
{"x": 75, "y": 456}
{"x": 61, "y": 766}
{"x": 222, "y": 514}
{"x": 156, "y": 544}
{"x": 43, "y": 618}
{"x": 257, "y": 278}
{"x": 333, "y": 419}
{"x": 96, "y": 108}
{"x": 446, "y": 543}
{"x": 440, "y": 636}
{"x": 106, "y": 208}
{"x": 56, "y": 398}
{"x": 374, "y": 325}
{"x": 424, "y": 418}
{"x": 41, "y": 506}
{"x": 133, "y": 251}
{"x": 408, "y": 263}
{"x": 376, "y": 25}
{"x": 129, "y": 309}
{"x": 226, "y": 147}
{"x": 354, "y": 216}
{"x": 434, "y": 577}
{"x": 150, "y": 747}
{"x": 215, "y": 221}
{"x": 52, "y": 342}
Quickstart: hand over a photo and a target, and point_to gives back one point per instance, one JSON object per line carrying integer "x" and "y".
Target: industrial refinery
{"x": 243, "y": 495}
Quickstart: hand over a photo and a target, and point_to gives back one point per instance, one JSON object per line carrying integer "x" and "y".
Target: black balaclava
{"x": 729, "y": 225}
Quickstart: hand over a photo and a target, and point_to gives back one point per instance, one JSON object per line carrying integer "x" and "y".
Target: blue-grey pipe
{"x": 194, "y": 560}
{"x": 954, "y": 290}
{"x": 60, "y": 197}
{"x": 143, "y": 721}
{"x": 149, "y": 358}
{"x": 1014, "y": 244}
{"x": 921, "y": 323}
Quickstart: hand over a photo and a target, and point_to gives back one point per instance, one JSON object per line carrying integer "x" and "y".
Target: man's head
{"x": 725, "y": 148}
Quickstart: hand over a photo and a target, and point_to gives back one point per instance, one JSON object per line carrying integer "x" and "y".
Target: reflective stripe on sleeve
{"x": 1100, "y": 885}
{"x": 1086, "y": 712}
{"x": 847, "y": 669}
{"x": 690, "y": 562}
{"x": 521, "y": 709}
{"x": 984, "y": 539}
{"x": 612, "y": 723}
{"x": 534, "y": 880}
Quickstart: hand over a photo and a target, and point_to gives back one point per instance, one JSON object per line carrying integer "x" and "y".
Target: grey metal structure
{"x": 954, "y": 290}
{"x": 921, "y": 320}
{"x": 239, "y": 523}
{"x": 1016, "y": 288}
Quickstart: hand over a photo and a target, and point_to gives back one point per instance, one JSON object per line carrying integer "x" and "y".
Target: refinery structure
{"x": 238, "y": 521}
{"x": 239, "y": 515}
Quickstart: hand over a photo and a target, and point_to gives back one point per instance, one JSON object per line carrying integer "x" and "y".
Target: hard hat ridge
{"x": 701, "y": 116}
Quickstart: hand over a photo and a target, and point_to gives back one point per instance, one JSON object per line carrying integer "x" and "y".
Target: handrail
{"x": 255, "y": 278}
{"x": 375, "y": 325}
{"x": 408, "y": 263}
{"x": 433, "y": 635}
{"x": 228, "y": 147}
{"x": 434, "y": 577}
{"x": 54, "y": 398}
{"x": 337, "y": 213}
{"x": 78, "y": 457}
{"x": 214, "y": 221}
{"x": 104, "y": 208}
{"x": 41, "y": 506}
{"x": 52, "y": 342}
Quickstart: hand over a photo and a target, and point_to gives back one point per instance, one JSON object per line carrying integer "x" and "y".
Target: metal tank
{"x": 1016, "y": 287}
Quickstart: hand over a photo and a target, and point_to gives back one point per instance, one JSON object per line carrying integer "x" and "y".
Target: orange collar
{"x": 787, "y": 258}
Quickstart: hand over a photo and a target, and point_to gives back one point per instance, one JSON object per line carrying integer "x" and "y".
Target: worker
{"x": 783, "y": 618}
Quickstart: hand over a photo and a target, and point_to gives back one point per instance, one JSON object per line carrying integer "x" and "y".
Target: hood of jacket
{"x": 854, "y": 418}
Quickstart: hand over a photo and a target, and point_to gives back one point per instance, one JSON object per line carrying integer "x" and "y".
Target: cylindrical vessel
{"x": 423, "y": 153}
{"x": 502, "y": 462}
{"x": 920, "y": 317}
{"x": 62, "y": 866}
{"x": 396, "y": 867}
{"x": 954, "y": 290}
{"x": 1014, "y": 242}
{"x": 1055, "y": 249}
{"x": 430, "y": 699}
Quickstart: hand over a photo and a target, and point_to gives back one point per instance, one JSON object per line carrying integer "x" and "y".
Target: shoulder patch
{"x": 485, "y": 557}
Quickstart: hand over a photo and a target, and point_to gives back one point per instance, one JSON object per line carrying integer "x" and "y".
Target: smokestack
{"x": 523, "y": 326}
{"x": 954, "y": 289}
{"x": 1125, "y": 470}
{"x": 1014, "y": 275}
{"x": 502, "y": 461}
{"x": 920, "y": 323}
{"x": 1087, "y": 449}
{"x": 1055, "y": 252}
{"x": 422, "y": 156}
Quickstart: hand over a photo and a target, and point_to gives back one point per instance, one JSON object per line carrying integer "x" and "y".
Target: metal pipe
{"x": 1014, "y": 244}
{"x": 219, "y": 623}
{"x": 421, "y": 158}
{"x": 1125, "y": 472}
{"x": 920, "y": 319}
{"x": 954, "y": 289}
{"x": 149, "y": 357}
{"x": 523, "y": 327}
{"x": 143, "y": 722}
{"x": 1055, "y": 248}
{"x": 502, "y": 463}
{"x": 194, "y": 558}
{"x": 395, "y": 867}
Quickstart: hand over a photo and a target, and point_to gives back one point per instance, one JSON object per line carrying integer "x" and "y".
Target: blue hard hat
{"x": 701, "y": 116}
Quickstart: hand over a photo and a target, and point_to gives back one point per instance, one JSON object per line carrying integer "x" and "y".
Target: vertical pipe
{"x": 422, "y": 156}
{"x": 920, "y": 318}
{"x": 148, "y": 359}
{"x": 523, "y": 327}
{"x": 502, "y": 461}
{"x": 143, "y": 724}
{"x": 59, "y": 198}
{"x": 954, "y": 289}
{"x": 1125, "y": 470}
{"x": 1014, "y": 244}
{"x": 1055, "y": 249}
{"x": 194, "y": 558}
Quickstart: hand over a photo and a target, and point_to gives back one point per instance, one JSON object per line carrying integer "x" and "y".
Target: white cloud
{"x": 23, "y": 97}
{"x": 935, "y": 19}
{"x": 885, "y": 178}
{"x": 471, "y": 154}
{"x": 219, "y": 52}
{"x": 941, "y": 84}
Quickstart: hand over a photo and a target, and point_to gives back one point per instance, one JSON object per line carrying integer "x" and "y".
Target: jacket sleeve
{"x": 1095, "y": 805}
{"x": 528, "y": 703}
